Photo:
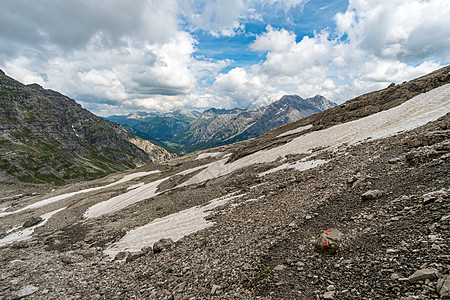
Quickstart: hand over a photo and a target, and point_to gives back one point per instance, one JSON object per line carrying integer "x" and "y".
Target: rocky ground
{"x": 263, "y": 249}
{"x": 388, "y": 197}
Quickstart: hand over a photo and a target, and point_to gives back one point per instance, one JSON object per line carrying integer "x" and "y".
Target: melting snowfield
{"x": 211, "y": 154}
{"x": 299, "y": 166}
{"x": 65, "y": 196}
{"x": 120, "y": 202}
{"x": 174, "y": 226}
{"x": 27, "y": 232}
{"x": 296, "y": 130}
{"x": 412, "y": 114}
{"x": 141, "y": 192}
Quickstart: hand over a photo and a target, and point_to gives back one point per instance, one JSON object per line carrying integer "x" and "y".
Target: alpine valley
{"x": 351, "y": 202}
{"x": 184, "y": 131}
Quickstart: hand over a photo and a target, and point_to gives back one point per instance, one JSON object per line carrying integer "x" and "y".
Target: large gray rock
{"x": 328, "y": 242}
{"x": 423, "y": 274}
{"x": 32, "y": 221}
{"x": 26, "y": 291}
{"x": 443, "y": 287}
{"x": 372, "y": 195}
{"x": 162, "y": 244}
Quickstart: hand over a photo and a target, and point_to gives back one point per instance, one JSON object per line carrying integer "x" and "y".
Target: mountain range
{"x": 46, "y": 137}
{"x": 184, "y": 132}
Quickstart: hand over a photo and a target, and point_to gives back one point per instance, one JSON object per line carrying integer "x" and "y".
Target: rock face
{"x": 214, "y": 127}
{"x": 45, "y": 137}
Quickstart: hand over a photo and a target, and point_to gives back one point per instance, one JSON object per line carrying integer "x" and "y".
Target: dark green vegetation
{"x": 184, "y": 132}
{"x": 45, "y": 137}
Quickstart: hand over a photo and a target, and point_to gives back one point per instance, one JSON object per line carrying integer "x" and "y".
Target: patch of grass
{"x": 258, "y": 278}
{"x": 8, "y": 167}
{"x": 29, "y": 179}
{"x": 21, "y": 133}
{"x": 50, "y": 178}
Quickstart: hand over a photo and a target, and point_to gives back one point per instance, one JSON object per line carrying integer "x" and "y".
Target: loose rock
{"x": 423, "y": 274}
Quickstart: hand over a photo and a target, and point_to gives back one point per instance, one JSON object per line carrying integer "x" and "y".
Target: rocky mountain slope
{"x": 186, "y": 132}
{"x": 252, "y": 220}
{"x": 159, "y": 126}
{"x": 45, "y": 137}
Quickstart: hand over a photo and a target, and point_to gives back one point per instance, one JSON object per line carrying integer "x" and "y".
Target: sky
{"x": 115, "y": 57}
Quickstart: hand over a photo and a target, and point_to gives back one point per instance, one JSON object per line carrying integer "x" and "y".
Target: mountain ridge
{"x": 217, "y": 126}
{"x": 48, "y": 137}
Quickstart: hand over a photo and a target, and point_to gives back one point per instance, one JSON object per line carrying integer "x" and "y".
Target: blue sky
{"x": 115, "y": 57}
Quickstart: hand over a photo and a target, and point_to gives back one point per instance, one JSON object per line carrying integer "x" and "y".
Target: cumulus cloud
{"x": 376, "y": 43}
{"x": 410, "y": 31}
{"x": 227, "y": 18}
{"x": 120, "y": 56}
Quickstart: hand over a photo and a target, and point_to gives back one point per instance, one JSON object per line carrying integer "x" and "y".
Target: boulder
{"x": 32, "y": 221}
{"x": 26, "y": 291}
{"x": 423, "y": 274}
{"x": 443, "y": 287}
{"x": 372, "y": 195}
{"x": 162, "y": 244}
{"x": 328, "y": 241}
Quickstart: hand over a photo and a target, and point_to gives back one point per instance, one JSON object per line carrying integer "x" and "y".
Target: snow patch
{"x": 132, "y": 187}
{"x": 414, "y": 113}
{"x": 27, "y": 232}
{"x": 64, "y": 196}
{"x": 174, "y": 226}
{"x": 122, "y": 201}
{"x": 298, "y": 165}
{"x": 296, "y": 130}
{"x": 211, "y": 154}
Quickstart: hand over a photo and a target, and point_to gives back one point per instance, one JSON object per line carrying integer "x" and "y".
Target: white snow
{"x": 296, "y": 130}
{"x": 414, "y": 113}
{"x": 298, "y": 165}
{"x": 143, "y": 192}
{"x": 174, "y": 226}
{"x": 211, "y": 154}
{"x": 132, "y": 187}
{"x": 64, "y": 196}
{"x": 121, "y": 201}
{"x": 27, "y": 232}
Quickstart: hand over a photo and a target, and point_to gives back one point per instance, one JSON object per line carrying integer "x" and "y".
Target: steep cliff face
{"x": 48, "y": 137}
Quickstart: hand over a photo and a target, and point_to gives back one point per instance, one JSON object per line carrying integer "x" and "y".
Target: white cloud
{"x": 378, "y": 43}
{"x": 143, "y": 57}
{"x": 410, "y": 31}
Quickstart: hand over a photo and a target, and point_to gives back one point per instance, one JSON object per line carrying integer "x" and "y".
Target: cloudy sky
{"x": 126, "y": 55}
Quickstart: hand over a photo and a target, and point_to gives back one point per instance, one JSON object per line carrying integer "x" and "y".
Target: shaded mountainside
{"x": 45, "y": 137}
{"x": 186, "y": 132}
{"x": 248, "y": 220}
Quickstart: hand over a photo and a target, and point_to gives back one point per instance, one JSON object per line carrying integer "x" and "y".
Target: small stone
{"x": 308, "y": 217}
{"x": 372, "y": 195}
{"x": 330, "y": 288}
{"x": 328, "y": 295}
{"x": 214, "y": 289}
{"x": 26, "y": 291}
{"x": 395, "y": 276}
{"x": 32, "y": 221}
{"x": 423, "y": 274}
{"x": 280, "y": 268}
